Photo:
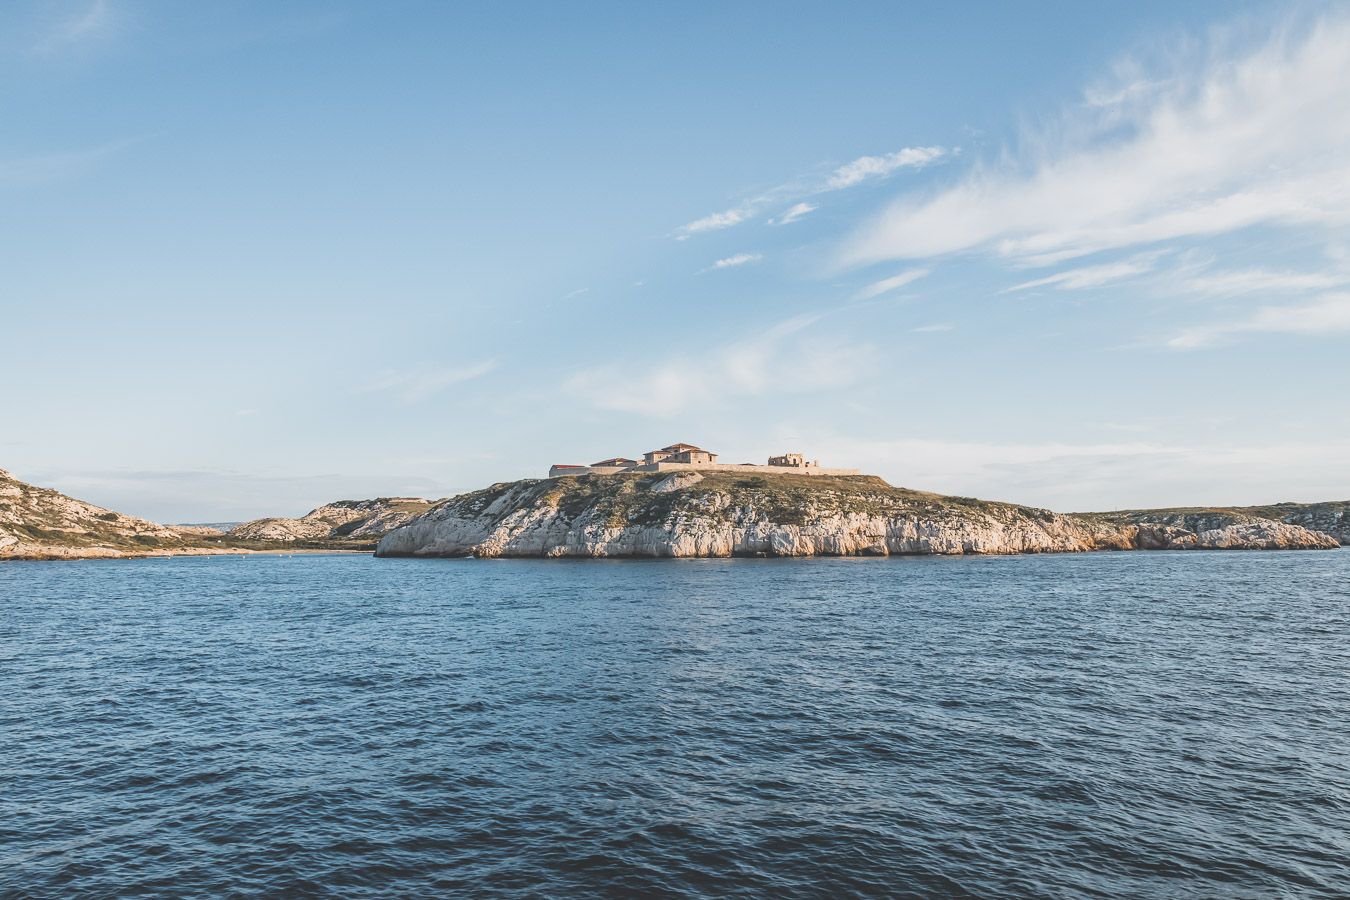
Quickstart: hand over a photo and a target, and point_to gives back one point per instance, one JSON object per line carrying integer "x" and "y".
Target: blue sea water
{"x": 1097, "y": 725}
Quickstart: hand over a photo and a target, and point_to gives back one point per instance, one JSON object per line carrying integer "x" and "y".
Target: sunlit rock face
{"x": 721, "y": 515}
{"x": 37, "y": 522}
{"x": 340, "y": 520}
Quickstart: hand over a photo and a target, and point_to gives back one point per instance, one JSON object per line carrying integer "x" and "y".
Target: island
{"x": 681, "y": 502}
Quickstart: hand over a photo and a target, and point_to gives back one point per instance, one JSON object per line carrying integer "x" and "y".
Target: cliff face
{"x": 1254, "y": 528}
{"x": 39, "y": 523}
{"x": 1331, "y": 518}
{"x": 343, "y": 520}
{"x": 783, "y": 515}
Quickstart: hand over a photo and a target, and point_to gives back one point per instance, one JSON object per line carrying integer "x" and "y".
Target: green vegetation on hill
{"x": 1332, "y": 517}
{"x": 40, "y": 523}
{"x": 628, "y": 499}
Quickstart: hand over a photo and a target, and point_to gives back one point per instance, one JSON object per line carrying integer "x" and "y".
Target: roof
{"x": 676, "y": 448}
{"x": 616, "y": 461}
{"x": 566, "y": 466}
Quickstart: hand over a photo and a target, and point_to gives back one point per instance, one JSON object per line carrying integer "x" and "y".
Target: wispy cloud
{"x": 1329, "y": 314}
{"x": 1090, "y": 276}
{"x": 1264, "y": 281}
{"x": 415, "y": 385}
{"x": 782, "y": 355}
{"x": 865, "y": 167}
{"x": 714, "y": 222}
{"x": 1254, "y": 136}
{"x": 29, "y": 171}
{"x": 793, "y": 213}
{"x": 96, "y": 21}
{"x": 936, "y": 327}
{"x": 886, "y": 285}
{"x": 731, "y": 262}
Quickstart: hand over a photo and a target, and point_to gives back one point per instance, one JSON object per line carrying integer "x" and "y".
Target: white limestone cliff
{"x": 341, "y": 520}
{"x": 627, "y": 516}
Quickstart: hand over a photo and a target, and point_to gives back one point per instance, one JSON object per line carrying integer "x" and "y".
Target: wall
{"x": 701, "y": 467}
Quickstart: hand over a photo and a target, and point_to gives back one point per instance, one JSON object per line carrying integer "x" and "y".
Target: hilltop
{"x": 722, "y": 514}
{"x": 351, "y": 521}
{"x": 1330, "y": 517}
{"x": 40, "y": 523}
{"x": 681, "y": 513}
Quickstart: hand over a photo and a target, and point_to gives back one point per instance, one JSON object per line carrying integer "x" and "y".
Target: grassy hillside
{"x": 38, "y": 522}
{"x": 1332, "y": 517}
{"x": 788, "y": 499}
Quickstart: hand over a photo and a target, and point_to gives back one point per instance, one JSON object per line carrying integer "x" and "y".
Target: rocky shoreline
{"x": 655, "y": 515}
{"x": 721, "y": 515}
{"x": 38, "y": 523}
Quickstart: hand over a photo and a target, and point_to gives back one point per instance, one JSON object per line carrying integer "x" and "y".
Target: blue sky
{"x": 255, "y": 257}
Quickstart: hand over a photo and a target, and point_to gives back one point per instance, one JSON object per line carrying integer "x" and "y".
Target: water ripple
{"x": 1086, "y": 726}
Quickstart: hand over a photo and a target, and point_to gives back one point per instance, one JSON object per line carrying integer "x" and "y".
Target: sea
{"x": 1087, "y": 725}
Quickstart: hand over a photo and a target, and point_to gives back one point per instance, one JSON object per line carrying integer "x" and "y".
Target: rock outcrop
{"x": 665, "y": 515}
{"x": 1331, "y": 518}
{"x": 721, "y": 515}
{"x": 342, "y": 520}
{"x": 1213, "y": 529}
{"x": 39, "y": 523}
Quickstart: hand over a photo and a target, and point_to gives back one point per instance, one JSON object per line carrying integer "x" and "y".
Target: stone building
{"x": 794, "y": 461}
{"x": 686, "y": 457}
{"x": 680, "y": 453}
{"x": 621, "y": 462}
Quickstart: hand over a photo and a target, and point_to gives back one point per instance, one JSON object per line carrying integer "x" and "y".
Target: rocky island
{"x": 722, "y": 514}
{"x": 342, "y": 521}
{"x": 40, "y": 523}
{"x": 675, "y": 502}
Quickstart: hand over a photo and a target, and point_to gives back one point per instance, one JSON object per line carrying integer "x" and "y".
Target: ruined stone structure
{"x": 687, "y": 457}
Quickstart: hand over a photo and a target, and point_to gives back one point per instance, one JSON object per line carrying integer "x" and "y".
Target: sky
{"x": 255, "y": 257}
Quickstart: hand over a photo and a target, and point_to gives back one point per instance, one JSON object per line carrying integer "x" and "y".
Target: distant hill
{"x": 39, "y": 523}
{"x": 1331, "y": 518}
{"x": 358, "y": 521}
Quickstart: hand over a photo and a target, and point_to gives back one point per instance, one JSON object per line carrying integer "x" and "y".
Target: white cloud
{"x": 1251, "y": 137}
{"x": 859, "y": 170}
{"x": 419, "y": 384}
{"x": 94, "y": 22}
{"x": 865, "y": 167}
{"x": 1090, "y": 276}
{"x": 29, "y": 171}
{"x": 886, "y": 285}
{"x": 929, "y": 329}
{"x": 1265, "y": 281}
{"x": 794, "y": 213}
{"x": 1329, "y": 314}
{"x": 714, "y": 222}
{"x": 782, "y": 355}
{"x": 730, "y": 262}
